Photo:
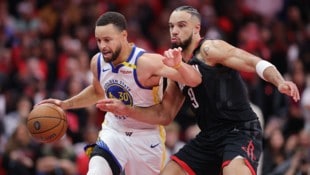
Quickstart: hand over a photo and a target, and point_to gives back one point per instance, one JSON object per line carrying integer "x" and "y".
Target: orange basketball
{"x": 47, "y": 122}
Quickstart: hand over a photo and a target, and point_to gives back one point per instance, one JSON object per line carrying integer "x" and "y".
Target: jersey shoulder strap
{"x": 198, "y": 46}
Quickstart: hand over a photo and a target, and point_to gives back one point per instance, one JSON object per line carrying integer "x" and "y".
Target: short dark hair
{"x": 189, "y": 9}
{"x": 115, "y": 18}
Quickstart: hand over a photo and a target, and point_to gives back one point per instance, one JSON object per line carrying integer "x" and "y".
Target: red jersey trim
{"x": 183, "y": 165}
{"x": 248, "y": 164}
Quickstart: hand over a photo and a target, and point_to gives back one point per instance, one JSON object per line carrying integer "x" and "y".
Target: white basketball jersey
{"x": 121, "y": 82}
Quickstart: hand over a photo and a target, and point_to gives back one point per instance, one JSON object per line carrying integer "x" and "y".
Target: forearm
{"x": 162, "y": 113}
{"x": 183, "y": 73}
{"x": 190, "y": 75}
{"x": 85, "y": 98}
{"x": 272, "y": 75}
{"x": 152, "y": 115}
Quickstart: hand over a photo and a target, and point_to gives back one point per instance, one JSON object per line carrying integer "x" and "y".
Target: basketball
{"x": 47, "y": 122}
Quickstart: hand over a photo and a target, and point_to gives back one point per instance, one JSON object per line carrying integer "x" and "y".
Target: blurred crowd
{"x": 45, "y": 50}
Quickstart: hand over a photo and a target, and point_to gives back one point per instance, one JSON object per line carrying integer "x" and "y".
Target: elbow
{"x": 165, "y": 119}
{"x": 195, "y": 82}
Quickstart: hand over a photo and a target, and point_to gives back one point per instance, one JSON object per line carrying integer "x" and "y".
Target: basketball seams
{"x": 53, "y": 122}
{"x": 43, "y": 131}
{"x": 58, "y": 136}
{"x": 58, "y": 110}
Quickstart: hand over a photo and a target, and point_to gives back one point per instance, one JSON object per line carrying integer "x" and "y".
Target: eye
{"x": 181, "y": 25}
{"x": 106, "y": 40}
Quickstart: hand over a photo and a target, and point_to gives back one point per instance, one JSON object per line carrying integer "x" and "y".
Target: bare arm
{"x": 220, "y": 52}
{"x": 173, "y": 58}
{"x": 171, "y": 67}
{"x": 88, "y": 96}
{"x": 162, "y": 113}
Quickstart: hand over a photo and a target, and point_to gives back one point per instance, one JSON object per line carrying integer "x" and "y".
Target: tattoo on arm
{"x": 70, "y": 104}
{"x": 206, "y": 50}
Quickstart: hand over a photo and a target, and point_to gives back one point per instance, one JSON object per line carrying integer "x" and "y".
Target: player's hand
{"x": 289, "y": 88}
{"x": 173, "y": 57}
{"x": 113, "y": 105}
{"x": 50, "y": 100}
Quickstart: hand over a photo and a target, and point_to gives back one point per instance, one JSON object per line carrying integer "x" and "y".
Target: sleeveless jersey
{"x": 220, "y": 98}
{"x": 121, "y": 82}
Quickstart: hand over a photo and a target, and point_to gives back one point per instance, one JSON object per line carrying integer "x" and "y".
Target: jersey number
{"x": 192, "y": 97}
{"x": 123, "y": 96}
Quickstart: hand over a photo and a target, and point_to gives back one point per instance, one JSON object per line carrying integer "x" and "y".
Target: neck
{"x": 126, "y": 50}
{"x": 187, "y": 54}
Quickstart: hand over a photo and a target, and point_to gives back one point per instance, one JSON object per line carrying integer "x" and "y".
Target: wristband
{"x": 261, "y": 66}
{"x": 178, "y": 65}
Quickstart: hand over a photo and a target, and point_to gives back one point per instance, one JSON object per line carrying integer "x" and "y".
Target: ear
{"x": 124, "y": 34}
{"x": 196, "y": 29}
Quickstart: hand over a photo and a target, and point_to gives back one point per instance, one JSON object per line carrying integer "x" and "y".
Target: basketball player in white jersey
{"x": 126, "y": 72}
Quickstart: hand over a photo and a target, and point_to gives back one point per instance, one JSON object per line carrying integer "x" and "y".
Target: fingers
{"x": 172, "y": 57}
{"x": 105, "y": 101}
{"x": 168, "y": 53}
{"x": 172, "y": 53}
{"x": 50, "y": 100}
{"x": 102, "y": 104}
{"x": 108, "y": 104}
{"x": 294, "y": 91}
{"x": 291, "y": 89}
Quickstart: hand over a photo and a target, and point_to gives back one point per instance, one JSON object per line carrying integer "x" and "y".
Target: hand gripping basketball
{"x": 47, "y": 122}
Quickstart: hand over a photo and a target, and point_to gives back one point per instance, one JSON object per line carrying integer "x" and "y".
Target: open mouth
{"x": 107, "y": 54}
{"x": 174, "y": 40}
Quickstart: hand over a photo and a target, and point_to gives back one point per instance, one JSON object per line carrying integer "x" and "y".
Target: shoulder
{"x": 152, "y": 58}
{"x": 214, "y": 43}
{"x": 148, "y": 55}
{"x": 94, "y": 59}
{"x": 214, "y": 51}
{"x": 93, "y": 62}
{"x": 150, "y": 63}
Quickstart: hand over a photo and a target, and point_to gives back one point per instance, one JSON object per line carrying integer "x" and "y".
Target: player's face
{"x": 181, "y": 29}
{"x": 109, "y": 41}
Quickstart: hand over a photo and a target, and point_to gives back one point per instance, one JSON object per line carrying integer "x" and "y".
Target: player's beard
{"x": 115, "y": 54}
{"x": 184, "y": 45}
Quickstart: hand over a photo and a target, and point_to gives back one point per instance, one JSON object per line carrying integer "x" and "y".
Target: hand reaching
{"x": 51, "y": 100}
{"x": 173, "y": 57}
{"x": 289, "y": 88}
{"x": 113, "y": 105}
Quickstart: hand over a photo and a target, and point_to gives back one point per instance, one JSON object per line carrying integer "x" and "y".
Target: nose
{"x": 101, "y": 45}
{"x": 174, "y": 31}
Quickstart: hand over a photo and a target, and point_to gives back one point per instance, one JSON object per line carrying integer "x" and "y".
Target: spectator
{"x": 173, "y": 140}
{"x": 58, "y": 158}
{"x": 20, "y": 153}
{"x": 14, "y": 118}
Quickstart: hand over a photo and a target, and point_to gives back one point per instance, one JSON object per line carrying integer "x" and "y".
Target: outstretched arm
{"x": 162, "y": 113}
{"x": 220, "y": 52}
{"x": 170, "y": 66}
{"x": 88, "y": 96}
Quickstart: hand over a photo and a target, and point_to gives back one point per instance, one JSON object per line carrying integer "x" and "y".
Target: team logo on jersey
{"x": 119, "y": 90}
{"x": 249, "y": 149}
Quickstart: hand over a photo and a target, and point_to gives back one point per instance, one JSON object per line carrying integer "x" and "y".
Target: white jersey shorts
{"x": 137, "y": 152}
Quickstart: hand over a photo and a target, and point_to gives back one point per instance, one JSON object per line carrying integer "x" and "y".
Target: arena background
{"x": 46, "y": 46}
